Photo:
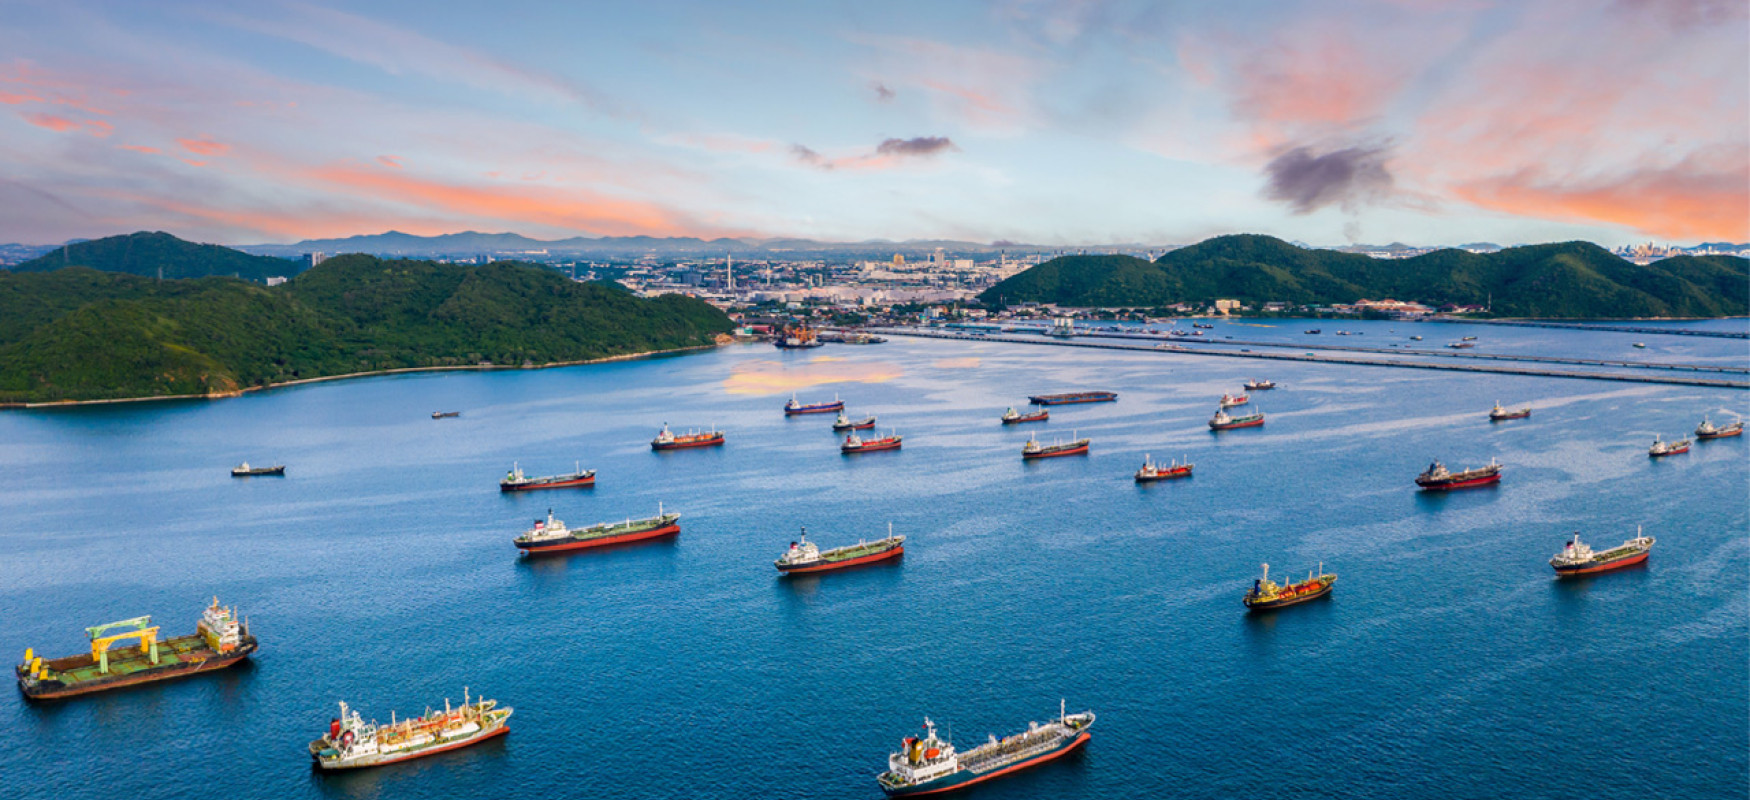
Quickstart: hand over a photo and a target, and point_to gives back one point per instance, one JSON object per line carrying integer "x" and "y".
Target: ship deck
{"x": 857, "y": 550}
{"x": 126, "y": 660}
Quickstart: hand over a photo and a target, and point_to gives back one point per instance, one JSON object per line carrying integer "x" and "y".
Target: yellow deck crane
{"x": 101, "y": 639}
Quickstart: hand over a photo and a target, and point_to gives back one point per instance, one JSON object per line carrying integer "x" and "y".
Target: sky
{"x": 1056, "y": 122}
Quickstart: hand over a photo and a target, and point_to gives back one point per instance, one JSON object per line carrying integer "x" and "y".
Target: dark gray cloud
{"x": 806, "y": 155}
{"x": 918, "y": 146}
{"x": 1349, "y": 178}
{"x": 883, "y": 93}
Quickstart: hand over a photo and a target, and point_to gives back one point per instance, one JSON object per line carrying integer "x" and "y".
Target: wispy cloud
{"x": 204, "y": 146}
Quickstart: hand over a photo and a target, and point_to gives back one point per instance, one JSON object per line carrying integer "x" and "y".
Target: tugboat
{"x": 1707, "y": 430}
{"x": 1578, "y": 559}
{"x": 551, "y": 535}
{"x": 793, "y": 408}
{"x": 1498, "y": 413}
{"x": 844, "y": 423}
{"x": 1223, "y": 422}
{"x": 1256, "y": 385}
{"x": 445, "y": 414}
{"x": 1013, "y": 417}
{"x": 805, "y": 556}
{"x": 351, "y": 743}
{"x": 856, "y": 444}
{"x": 1661, "y": 448}
{"x": 1438, "y": 478}
{"x": 1231, "y": 400}
{"x": 1072, "y": 397}
{"x": 244, "y": 470}
{"x": 930, "y": 765}
{"x": 1152, "y": 472}
{"x": 516, "y": 481}
{"x": 798, "y": 338}
{"x": 668, "y": 440}
{"x": 1266, "y": 594}
{"x": 219, "y": 641}
{"x": 1033, "y": 449}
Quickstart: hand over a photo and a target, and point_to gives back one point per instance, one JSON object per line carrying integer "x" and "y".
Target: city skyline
{"x": 1058, "y": 124}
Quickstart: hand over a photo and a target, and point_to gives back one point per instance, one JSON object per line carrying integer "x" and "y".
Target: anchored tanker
{"x": 805, "y": 556}
{"x": 551, "y": 535}
{"x": 218, "y": 642}
{"x": 1578, "y": 559}
{"x": 930, "y": 765}
{"x": 351, "y": 743}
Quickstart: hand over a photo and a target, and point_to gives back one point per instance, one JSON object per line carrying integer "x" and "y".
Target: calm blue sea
{"x": 1448, "y": 663}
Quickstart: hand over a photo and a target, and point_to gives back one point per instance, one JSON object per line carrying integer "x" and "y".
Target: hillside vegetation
{"x": 80, "y": 334}
{"x": 146, "y": 253}
{"x": 1569, "y": 279}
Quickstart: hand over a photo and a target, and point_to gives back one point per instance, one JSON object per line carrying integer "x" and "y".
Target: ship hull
{"x": 1588, "y": 569}
{"x": 1723, "y": 435}
{"x": 1073, "y": 451}
{"x": 1164, "y": 476}
{"x": 1505, "y": 417}
{"x": 1064, "y": 400}
{"x": 679, "y": 445}
{"x": 869, "y": 447}
{"x": 430, "y": 751}
{"x": 258, "y": 472}
{"x": 1228, "y": 426}
{"x": 826, "y": 409}
{"x": 1270, "y": 605}
{"x": 827, "y": 566}
{"x": 560, "y": 484}
{"x": 1467, "y": 483}
{"x": 566, "y": 545}
{"x": 1679, "y": 451}
{"x": 963, "y": 779}
{"x": 54, "y": 689}
{"x": 1021, "y": 420}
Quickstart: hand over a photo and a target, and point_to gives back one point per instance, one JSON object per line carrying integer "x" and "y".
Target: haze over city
{"x": 1044, "y": 122}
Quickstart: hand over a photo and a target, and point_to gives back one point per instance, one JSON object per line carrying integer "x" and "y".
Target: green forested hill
{"x": 146, "y": 253}
{"x": 1569, "y": 279}
{"x": 79, "y": 334}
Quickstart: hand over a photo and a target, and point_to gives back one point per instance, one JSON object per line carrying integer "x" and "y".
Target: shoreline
{"x": 367, "y": 374}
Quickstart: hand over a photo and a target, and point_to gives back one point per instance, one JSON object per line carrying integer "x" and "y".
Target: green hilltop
{"x": 1561, "y": 280}
{"x": 146, "y": 253}
{"x": 80, "y": 334}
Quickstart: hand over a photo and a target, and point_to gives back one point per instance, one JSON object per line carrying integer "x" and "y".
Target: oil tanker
{"x": 1223, "y": 421}
{"x": 219, "y": 641}
{"x": 930, "y": 765}
{"x": 804, "y": 556}
{"x": 1013, "y": 417}
{"x": 1266, "y": 594}
{"x": 793, "y": 407}
{"x": 1033, "y": 449}
{"x": 352, "y": 743}
{"x": 1152, "y": 472}
{"x": 1578, "y": 559}
{"x": 516, "y": 481}
{"x": 668, "y": 440}
{"x": 1499, "y": 414}
{"x": 857, "y": 444}
{"x": 1438, "y": 478}
{"x": 551, "y": 535}
{"x": 1072, "y": 397}
{"x": 1708, "y": 430}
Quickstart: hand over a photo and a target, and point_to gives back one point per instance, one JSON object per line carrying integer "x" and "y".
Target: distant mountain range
{"x": 396, "y": 243}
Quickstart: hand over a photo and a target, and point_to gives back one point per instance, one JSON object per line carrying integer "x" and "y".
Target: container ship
{"x": 551, "y": 535}
{"x": 1013, "y": 417}
{"x": 800, "y": 337}
{"x": 1708, "y": 430}
{"x": 516, "y": 481}
{"x": 668, "y": 440}
{"x": 805, "y": 556}
{"x": 793, "y": 407}
{"x": 857, "y": 444}
{"x": 1661, "y": 449}
{"x": 1033, "y": 449}
{"x": 844, "y": 423}
{"x": 1222, "y": 421}
{"x": 1578, "y": 559}
{"x": 1256, "y": 385}
{"x": 351, "y": 743}
{"x": 243, "y": 470}
{"x": 1266, "y": 594}
{"x": 1231, "y": 400}
{"x": 1438, "y": 478}
{"x": 1152, "y": 472}
{"x": 930, "y": 765}
{"x": 1498, "y": 413}
{"x": 219, "y": 641}
{"x": 1072, "y": 397}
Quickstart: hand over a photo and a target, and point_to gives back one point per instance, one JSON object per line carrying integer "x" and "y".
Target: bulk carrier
{"x": 516, "y": 481}
{"x": 930, "y": 765}
{"x": 352, "y": 743}
{"x": 219, "y": 641}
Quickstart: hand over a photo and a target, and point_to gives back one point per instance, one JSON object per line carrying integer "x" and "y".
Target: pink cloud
{"x": 139, "y": 148}
{"x": 204, "y": 146}
{"x": 50, "y": 121}
{"x": 390, "y": 161}
{"x": 1694, "y": 199}
{"x": 15, "y": 99}
{"x": 193, "y": 163}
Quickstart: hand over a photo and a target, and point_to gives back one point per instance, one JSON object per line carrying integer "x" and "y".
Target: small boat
{"x": 1033, "y": 449}
{"x": 1342, "y": 333}
{"x": 1468, "y": 339}
{"x": 844, "y": 423}
{"x": 805, "y": 556}
{"x": 1013, "y": 417}
{"x": 1222, "y": 421}
{"x": 1415, "y": 338}
{"x": 445, "y": 414}
{"x": 1641, "y": 345}
{"x": 1152, "y": 472}
{"x": 1313, "y": 332}
{"x": 516, "y": 481}
{"x": 1578, "y": 559}
{"x": 1661, "y": 448}
{"x": 929, "y": 765}
{"x": 1203, "y": 326}
{"x": 1498, "y": 413}
{"x": 1708, "y": 430}
{"x": 1072, "y": 397}
{"x": 1231, "y": 400}
{"x": 856, "y": 444}
{"x": 1267, "y": 594}
{"x": 243, "y": 470}
{"x": 1460, "y": 345}
{"x": 1438, "y": 478}
{"x": 351, "y": 743}
{"x": 551, "y": 536}
{"x": 1256, "y": 385}
{"x": 793, "y": 407}
{"x": 669, "y": 440}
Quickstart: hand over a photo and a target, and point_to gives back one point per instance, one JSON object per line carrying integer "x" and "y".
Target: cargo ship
{"x": 516, "y": 481}
{"x": 1438, "y": 478}
{"x": 1461, "y": 345}
{"x": 1072, "y": 397}
{"x": 668, "y": 440}
{"x": 1013, "y": 417}
{"x": 219, "y": 641}
{"x": 1222, "y": 421}
{"x": 1498, "y": 413}
{"x": 1255, "y": 385}
{"x": 243, "y": 470}
{"x": 1267, "y": 594}
{"x": 793, "y": 407}
{"x": 445, "y": 414}
{"x": 551, "y": 535}
{"x": 351, "y": 743}
{"x": 1708, "y": 430}
{"x": 930, "y": 765}
{"x": 844, "y": 423}
{"x": 1231, "y": 400}
{"x": 800, "y": 337}
{"x": 1663, "y": 448}
{"x": 1033, "y": 449}
{"x": 1151, "y": 471}
{"x": 857, "y": 444}
{"x": 805, "y": 556}
{"x": 1578, "y": 559}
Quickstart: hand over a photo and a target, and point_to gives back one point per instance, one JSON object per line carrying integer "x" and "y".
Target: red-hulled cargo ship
{"x": 1266, "y": 594}
{"x": 804, "y": 556}
{"x": 1708, "y": 430}
{"x": 793, "y": 407}
{"x": 1152, "y": 472}
{"x": 857, "y": 444}
{"x": 551, "y": 535}
{"x": 930, "y": 765}
{"x": 516, "y": 481}
{"x": 668, "y": 440}
{"x": 1499, "y": 414}
{"x": 1661, "y": 448}
{"x": 1231, "y": 400}
{"x": 1072, "y": 397}
{"x": 1033, "y": 449}
{"x": 1438, "y": 478}
{"x": 1578, "y": 559}
{"x": 1013, "y": 417}
{"x": 1222, "y": 421}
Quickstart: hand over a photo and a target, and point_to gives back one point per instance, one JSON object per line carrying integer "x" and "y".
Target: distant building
{"x": 1225, "y": 306}
{"x": 312, "y": 260}
{"x": 275, "y": 280}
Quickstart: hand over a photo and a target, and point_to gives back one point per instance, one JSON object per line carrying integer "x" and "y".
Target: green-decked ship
{"x": 219, "y": 641}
